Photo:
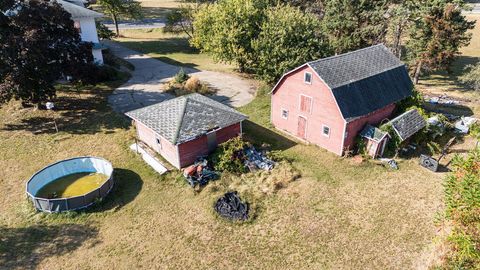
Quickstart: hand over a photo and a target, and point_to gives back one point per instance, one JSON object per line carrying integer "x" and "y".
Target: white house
{"x": 84, "y": 20}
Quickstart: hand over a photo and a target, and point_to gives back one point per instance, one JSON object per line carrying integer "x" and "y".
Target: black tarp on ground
{"x": 231, "y": 207}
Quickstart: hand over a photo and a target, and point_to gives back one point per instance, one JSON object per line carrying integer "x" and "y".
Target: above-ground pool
{"x": 70, "y": 184}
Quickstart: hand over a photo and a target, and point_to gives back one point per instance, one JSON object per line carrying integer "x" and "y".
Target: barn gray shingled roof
{"x": 408, "y": 123}
{"x": 365, "y": 80}
{"x": 185, "y": 118}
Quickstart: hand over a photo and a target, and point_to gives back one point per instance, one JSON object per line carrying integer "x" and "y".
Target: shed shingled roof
{"x": 365, "y": 80}
{"x": 408, "y": 123}
{"x": 373, "y": 133}
{"x": 185, "y": 118}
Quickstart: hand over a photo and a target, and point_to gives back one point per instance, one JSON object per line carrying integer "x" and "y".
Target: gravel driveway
{"x": 147, "y": 84}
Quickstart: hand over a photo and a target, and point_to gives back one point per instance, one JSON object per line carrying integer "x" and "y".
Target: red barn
{"x": 328, "y": 102}
{"x": 184, "y": 128}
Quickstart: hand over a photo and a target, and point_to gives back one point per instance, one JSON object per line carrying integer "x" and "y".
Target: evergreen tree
{"x": 355, "y": 24}
{"x": 436, "y": 37}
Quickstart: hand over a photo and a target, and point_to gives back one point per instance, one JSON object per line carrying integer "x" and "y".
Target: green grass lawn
{"x": 152, "y": 9}
{"x": 338, "y": 214}
{"x": 169, "y": 48}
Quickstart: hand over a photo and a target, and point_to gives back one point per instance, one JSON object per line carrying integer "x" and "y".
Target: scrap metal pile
{"x": 230, "y": 206}
{"x": 257, "y": 160}
{"x": 200, "y": 173}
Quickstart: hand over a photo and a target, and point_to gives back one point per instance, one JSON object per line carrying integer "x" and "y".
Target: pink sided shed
{"x": 328, "y": 102}
{"x": 185, "y": 128}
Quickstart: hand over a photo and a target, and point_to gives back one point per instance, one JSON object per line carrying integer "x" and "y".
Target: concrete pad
{"x": 147, "y": 84}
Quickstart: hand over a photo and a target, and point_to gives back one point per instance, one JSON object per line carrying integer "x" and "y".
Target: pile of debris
{"x": 445, "y": 100}
{"x": 255, "y": 160}
{"x": 463, "y": 125}
{"x": 230, "y": 206}
{"x": 200, "y": 173}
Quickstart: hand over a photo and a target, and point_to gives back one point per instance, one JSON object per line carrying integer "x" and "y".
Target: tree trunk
{"x": 418, "y": 70}
{"x": 397, "y": 43}
{"x": 115, "y": 21}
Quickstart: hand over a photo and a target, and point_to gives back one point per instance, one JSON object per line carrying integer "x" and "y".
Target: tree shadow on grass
{"x": 459, "y": 110}
{"x": 26, "y": 248}
{"x": 127, "y": 185}
{"x": 164, "y": 46}
{"x": 258, "y": 135}
{"x": 76, "y": 112}
{"x": 450, "y": 80}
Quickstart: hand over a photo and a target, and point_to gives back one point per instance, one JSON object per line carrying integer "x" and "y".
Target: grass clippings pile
{"x": 255, "y": 187}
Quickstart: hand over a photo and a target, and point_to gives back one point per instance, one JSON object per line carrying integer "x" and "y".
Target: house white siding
{"x": 88, "y": 33}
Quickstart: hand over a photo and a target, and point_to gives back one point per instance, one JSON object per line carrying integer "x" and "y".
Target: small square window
{"x": 308, "y": 77}
{"x": 284, "y": 114}
{"x": 326, "y": 131}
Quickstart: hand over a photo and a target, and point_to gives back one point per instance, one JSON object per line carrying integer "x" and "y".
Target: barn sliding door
{"x": 302, "y": 127}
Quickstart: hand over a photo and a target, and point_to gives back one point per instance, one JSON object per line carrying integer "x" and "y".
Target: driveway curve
{"x": 147, "y": 83}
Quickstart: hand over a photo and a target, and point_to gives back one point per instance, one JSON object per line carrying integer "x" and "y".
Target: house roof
{"x": 186, "y": 118}
{"x": 373, "y": 133}
{"x": 78, "y": 11}
{"x": 408, "y": 124}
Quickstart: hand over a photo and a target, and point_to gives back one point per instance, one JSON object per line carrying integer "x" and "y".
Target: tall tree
{"x": 355, "y": 24}
{"x": 121, "y": 8}
{"x": 315, "y": 7}
{"x": 181, "y": 20}
{"x": 226, "y": 30}
{"x": 288, "y": 38}
{"x": 38, "y": 43}
{"x": 437, "y": 36}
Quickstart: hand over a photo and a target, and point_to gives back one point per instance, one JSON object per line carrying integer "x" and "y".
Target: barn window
{"x": 284, "y": 114}
{"x": 326, "y": 131}
{"x": 305, "y": 104}
{"x": 308, "y": 78}
{"x": 77, "y": 26}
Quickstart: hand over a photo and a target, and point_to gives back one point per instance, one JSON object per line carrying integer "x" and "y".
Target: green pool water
{"x": 72, "y": 185}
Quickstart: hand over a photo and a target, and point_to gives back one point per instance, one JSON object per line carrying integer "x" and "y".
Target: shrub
{"x": 181, "y": 76}
{"x": 93, "y": 74}
{"x": 471, "y": 76}
{"x": 229, "y": 156}
{"x": 462, "y": 199}
{"x": 193, "y": 84}
{"x": 475, "y": 132}
{"x": 415, "y": 101}
{"x": 361, "y": 147}
{"x": 103, "y": 31}
{"x": 394, "y": 142}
